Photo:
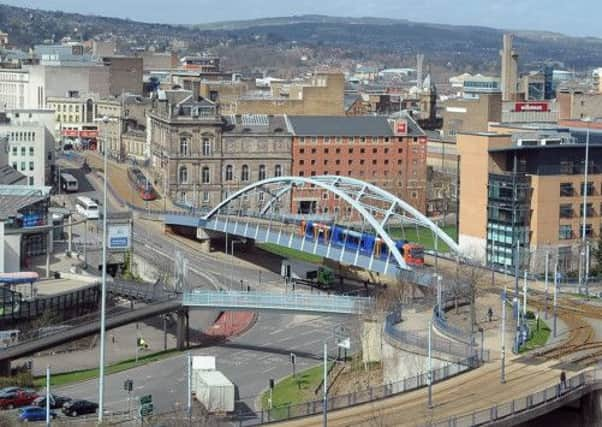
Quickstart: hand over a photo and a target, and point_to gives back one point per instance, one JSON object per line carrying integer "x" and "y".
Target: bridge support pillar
{"x": 591, "y": 409}
{"x": 182, "y": 334}
{"x": 372, "y": 345}
{"x": 4, "y": 368}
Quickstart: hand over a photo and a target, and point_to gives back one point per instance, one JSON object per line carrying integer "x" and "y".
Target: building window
{"x": 205, "y": 175}
{"x": 15, "y": 150}
{"x": 206, "y": 147}
{"x": 261, "y": 174}
{"x": 260, "y": 196}
{"x": 302, "y": 151}
{"x": 326, "y": 151}
{"x": 565, "y": 232}
{"x": 205, "y": 196}
{"x": 228, "y": 173}
{"x": 183, "y": 175}
{"x": 301, "y": 162}
{"x": 590, "y": 188}
{"x": 362, "y": 139}
{"x": 15, "y": 165}
{"x": 302, "y": 140}
{"x": 277, "y": 170}
{"x": 22, "y": 166}
{"x": 31, "y": 180}
{"x": 31, "y": 150}
{"x": 566, "y": 211}
{"x": 566, "y": 189}
{"x": 326, "y": 140}
{"x": 30, "y": 166}
{"x": 589, "y": 210}
{"x": 23, "y": 151}
{"x": 244, "y": 173}
{"x": 374, "y": 150}
{"x": 184, "y": 146}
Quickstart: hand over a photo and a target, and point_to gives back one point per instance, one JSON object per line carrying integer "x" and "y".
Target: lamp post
{"x": 103, "y": 294}
{"x": 585, "y": 191}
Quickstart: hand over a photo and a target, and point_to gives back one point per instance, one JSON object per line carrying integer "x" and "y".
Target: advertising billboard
{"x": 538, "y": 107}
{"x": 119, "y": 236}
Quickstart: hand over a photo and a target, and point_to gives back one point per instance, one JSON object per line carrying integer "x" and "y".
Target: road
{"x": 249, "y": 361}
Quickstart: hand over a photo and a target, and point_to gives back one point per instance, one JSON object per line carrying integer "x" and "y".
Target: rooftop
{"x": 339, "y": 126}
{"x": 13, "y": 198}
{"x": 9, "y": 175}
{"x": 255, "y": 124}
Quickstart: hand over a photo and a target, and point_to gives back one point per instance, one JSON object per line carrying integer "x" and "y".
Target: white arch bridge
{"x": 357, "y": 234}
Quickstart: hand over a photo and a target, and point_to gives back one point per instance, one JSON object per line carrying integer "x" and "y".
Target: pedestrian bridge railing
{"x": 288, "y": 302}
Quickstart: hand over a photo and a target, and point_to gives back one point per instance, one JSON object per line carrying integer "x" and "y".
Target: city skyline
{"x": 505, "y": 14}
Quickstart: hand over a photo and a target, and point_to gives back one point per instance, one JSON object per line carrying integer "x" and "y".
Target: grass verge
{"x": 293, "y": 390}
{"x": 88, "y": 374}
{"x": 290, "y": 253}
{"x": 539, "y": 336}
{"x": 424, "y": 236}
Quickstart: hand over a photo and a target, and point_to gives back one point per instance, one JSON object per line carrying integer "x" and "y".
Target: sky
{"x": 577, "y": 17}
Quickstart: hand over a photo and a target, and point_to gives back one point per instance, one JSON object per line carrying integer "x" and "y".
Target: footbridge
{"x": 288, "y": 302}
{"x": 366, "y": 228}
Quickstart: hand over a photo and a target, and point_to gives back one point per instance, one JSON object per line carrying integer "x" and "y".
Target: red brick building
{"x": 390, "y": 153}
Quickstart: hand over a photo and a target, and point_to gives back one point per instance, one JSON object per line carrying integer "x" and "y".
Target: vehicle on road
{"x": 33, "y": 413}
{"x": 68, "y": 183}
{"x": 79, "y": 407}
{"x": 17, "y": 399}
{"x": 6, "y": 390}
{"x": 85, "y": 206}
{"x": 56, "y": 402}
{"x": 142, "y": 184}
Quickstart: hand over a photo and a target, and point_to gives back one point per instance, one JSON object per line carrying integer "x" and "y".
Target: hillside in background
{"x": 321, "y": 40}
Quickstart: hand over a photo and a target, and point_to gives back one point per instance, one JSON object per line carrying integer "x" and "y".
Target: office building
{"x": 527, "y": 186}
{"x": 30, "y": 143}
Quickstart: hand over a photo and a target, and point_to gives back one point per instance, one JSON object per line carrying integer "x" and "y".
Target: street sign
{"x": 128, "y": 385}
{"x": 147, "y": 399}
{"x": 293, "y": 358}
{"x": 346, "y": 343}
{"x": 146, "y": 410}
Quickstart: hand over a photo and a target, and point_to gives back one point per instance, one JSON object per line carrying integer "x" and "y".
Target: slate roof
{"x": 9, "y": 175}
{"x": 340, "y": 126}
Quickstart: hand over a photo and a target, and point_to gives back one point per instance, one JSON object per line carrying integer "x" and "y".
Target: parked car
{"x": 33, "y": 413}
{"x": 79, "y": 407}
{"x": 56, "y": 402}
{"x": 6, "y": 390}
{"x": 17, "y": 399}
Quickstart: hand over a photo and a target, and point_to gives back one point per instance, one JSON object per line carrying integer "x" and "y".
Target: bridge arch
{"x": 365, "y": 198}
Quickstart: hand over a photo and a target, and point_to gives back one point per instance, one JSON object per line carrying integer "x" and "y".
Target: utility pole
{"x": 325, "y": 387}
{"x": 503, "y": 372}
{"x": 189, "y": 385}
{"x": 429, "y": 374}
{"x": 555, "y": 295}
{"x": 587, "y": 255}
{"x": 516, "y": 267}
{"x": 585, "y": 191}
{"x": 439, "y": 296}
{"x": 546, "y": 284}
{"x": 525, "y": 295}
{"x": 48, "y": 396}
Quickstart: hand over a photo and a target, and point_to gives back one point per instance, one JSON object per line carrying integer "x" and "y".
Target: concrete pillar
{"x": 372, "y": 340}
{"x": 5, "y": 368}
{"x": 591, "y": 409}
{"x": 70, "y": 232}
{"x": 48, "y": 252}
{"x": 180, "y": 330}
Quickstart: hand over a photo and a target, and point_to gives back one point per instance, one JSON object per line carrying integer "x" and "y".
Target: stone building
{"x": 198, "y": 156}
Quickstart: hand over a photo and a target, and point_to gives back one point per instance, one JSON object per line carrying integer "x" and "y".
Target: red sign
{"x": 88, "y": 133}
{"x": 401, "y": 127}
{"x": 70, "y": 132}
{"x": 538, "y": 107}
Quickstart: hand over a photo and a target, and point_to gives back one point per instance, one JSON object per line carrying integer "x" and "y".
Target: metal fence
{"x": 516, "y": 406}
{"x": 356, "y": 398}
{"x": 294, "y": 301}
{"x": 421, "y": 341}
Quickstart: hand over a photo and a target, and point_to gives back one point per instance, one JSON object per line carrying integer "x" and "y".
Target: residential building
{"x": 125, "y": 132}
{"x": 388, "y": 153}
{"x": 323, "y": 94}
{"x": 30, "y": 143}
{"x": 527, "y": 187}
{"x": 3, "y": 39}
{"x": 8, "y": 174}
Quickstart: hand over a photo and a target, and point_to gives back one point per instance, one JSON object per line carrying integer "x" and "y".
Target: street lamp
{"x": 103, "y": 296}
{"x": 585, "y": 191}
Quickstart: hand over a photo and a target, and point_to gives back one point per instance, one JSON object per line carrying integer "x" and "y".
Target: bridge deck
{"x": 291, "y": 302}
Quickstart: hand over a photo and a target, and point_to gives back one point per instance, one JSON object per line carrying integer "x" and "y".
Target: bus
{"x": 87, "y": 207}
{"x": 68, "y": 183}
